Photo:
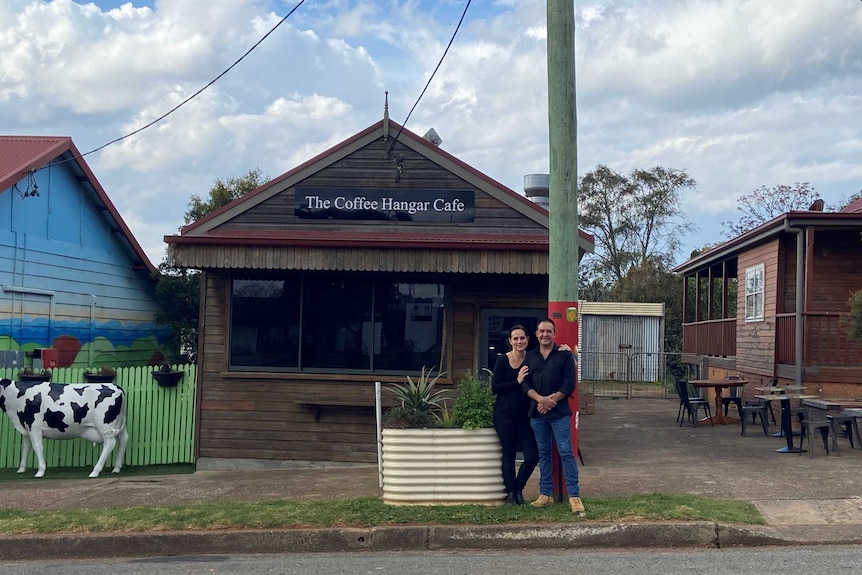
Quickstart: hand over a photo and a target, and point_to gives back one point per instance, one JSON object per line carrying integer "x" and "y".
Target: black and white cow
{"x": 94, "y": 411}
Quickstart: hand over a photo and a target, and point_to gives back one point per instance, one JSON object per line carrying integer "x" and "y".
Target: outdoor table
{"x": 825, "y": 404}
{"x": 774, "y": 389}
{"x": 719, "y": 385}
{"x": 786, "y": 424}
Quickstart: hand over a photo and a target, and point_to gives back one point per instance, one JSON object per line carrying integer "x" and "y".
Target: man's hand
{"x": 545, "y": 403}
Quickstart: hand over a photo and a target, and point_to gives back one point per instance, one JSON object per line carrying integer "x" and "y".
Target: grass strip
{"x": 367, "y": 512}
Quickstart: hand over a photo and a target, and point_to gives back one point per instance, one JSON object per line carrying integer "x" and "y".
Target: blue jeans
{"x": 548, "y": 431}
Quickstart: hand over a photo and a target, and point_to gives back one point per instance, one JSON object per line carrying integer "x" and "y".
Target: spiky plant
{"x": 419, "y": 401}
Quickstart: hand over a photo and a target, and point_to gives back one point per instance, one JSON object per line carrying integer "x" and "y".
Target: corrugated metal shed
{"x": 621, "y": 341}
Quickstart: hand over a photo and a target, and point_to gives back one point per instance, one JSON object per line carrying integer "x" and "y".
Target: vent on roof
{"x": 433, "y": 137}
{"x": 537, "y": 188}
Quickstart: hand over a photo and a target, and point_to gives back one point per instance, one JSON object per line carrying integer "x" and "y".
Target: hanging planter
{"x": 29, "y": 375}
{"x": 167, "y": 378}
{"x": 101, "y": 375}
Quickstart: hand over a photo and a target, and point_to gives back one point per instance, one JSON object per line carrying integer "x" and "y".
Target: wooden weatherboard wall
{"x": 755, "y": 340}
{"x": 160, "y": 422}
{"x": 495, "y": 256}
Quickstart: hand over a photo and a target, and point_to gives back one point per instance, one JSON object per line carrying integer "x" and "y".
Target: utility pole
{"x": 563, "y": 192}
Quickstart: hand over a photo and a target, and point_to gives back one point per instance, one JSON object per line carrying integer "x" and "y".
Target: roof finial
{"x": 386, "y": 116}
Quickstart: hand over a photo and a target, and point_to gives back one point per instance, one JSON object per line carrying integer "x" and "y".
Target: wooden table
{"x": 786, "y": 424}
{"x": 780, "y": 388}
{"x": 831, "y": 404}
{"x": 719, "y": 385}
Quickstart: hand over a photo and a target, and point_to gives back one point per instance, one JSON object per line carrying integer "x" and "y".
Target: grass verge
{"x": 365, "y": 512}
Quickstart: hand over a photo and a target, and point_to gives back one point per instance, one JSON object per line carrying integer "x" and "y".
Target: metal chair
{"x": 691, "y": 406}
{"x": 754, "y": 409}
{"x": 808, "y": 427}
{"x": 734, "y": 395}
{"x": 847, "y": 420}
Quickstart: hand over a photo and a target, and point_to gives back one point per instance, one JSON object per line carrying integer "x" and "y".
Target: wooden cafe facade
{"x": 380, "y": 256}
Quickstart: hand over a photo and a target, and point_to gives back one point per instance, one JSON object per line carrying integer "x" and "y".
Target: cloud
{"x": 739, "y": 93}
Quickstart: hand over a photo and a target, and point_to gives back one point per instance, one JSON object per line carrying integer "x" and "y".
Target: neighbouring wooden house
{"x": 768, "y": 304}
{"x": 74, "y": 283}
{"x": 379, "y": 256}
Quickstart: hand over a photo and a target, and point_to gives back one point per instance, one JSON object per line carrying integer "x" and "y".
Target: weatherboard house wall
{"x": 72, "y": 276}
{"x": 324, "y": 225}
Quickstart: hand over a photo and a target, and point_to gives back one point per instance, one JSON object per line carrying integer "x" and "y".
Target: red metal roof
{"x": 21, "y": 154}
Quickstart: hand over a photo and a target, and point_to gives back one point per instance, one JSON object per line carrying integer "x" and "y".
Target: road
{"x": 764, "y": 561}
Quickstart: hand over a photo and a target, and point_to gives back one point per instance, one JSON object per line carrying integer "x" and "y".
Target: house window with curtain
{"x": 327, "y": 323}
{"x": 754, "y": 293}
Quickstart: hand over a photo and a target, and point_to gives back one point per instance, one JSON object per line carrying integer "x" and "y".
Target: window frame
{"x": 303, "y": 280}
{"x": 755, "y": 285}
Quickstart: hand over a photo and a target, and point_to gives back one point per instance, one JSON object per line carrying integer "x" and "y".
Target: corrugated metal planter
{"x": 443, "y": 466}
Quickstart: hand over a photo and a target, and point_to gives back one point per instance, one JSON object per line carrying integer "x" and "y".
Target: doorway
{"x": 494, "y": 334}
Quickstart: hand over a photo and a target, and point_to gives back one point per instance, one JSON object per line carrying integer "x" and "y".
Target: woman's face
{"x": 518, "y": 340}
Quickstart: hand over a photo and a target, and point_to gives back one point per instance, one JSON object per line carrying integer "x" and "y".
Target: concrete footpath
{"x": 629, "y": 447}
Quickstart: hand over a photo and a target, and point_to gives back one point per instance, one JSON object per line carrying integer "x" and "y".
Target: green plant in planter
{"x": 104, "y": 370}
{"x": 474, "y": 406}
{"x": 419, "y": 402}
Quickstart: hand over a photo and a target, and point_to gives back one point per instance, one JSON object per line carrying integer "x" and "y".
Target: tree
{"x": 636, "y": 219}
{"x": 852, "y": 321}
{"x": 851, "y": 199}
{"x": 178, "y": 289}
{"x": 224, "y": 192}
{"x": 765, "y": 204}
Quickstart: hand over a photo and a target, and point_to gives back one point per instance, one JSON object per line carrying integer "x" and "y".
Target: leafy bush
{"x": 853, "y": 319}
{"x": 474, "y": 407}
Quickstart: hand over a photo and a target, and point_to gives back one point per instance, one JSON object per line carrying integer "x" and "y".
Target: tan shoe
{"x": 577, "y": 506}
{"x": 542, "y": 501}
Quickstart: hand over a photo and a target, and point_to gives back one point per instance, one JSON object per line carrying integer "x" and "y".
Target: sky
{"x": 738, "y": 93}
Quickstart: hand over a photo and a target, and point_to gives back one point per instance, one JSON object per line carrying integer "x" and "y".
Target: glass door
{"x": 495, "y": 325}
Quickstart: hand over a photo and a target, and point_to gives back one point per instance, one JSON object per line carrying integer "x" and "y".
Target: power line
{"x": 190, "y": 98}
{"x": 428, "y": 83}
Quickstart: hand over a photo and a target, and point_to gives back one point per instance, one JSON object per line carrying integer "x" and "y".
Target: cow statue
{"x": 94, "y": 411}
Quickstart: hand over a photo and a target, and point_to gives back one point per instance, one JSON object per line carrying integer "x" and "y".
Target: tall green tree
{"x": 764, "y": 204}
{"x": 178, "y": 289}
{"x": 636, "y": 219}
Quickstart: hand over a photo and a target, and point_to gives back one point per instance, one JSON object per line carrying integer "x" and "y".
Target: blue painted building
{"x": 72, "y": 276}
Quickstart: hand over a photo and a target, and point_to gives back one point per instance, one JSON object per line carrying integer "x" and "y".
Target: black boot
{"x": 519, "y": 497}
{"x": 511, "y": 498}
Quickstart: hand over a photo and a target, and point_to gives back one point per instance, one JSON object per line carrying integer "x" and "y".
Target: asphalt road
{"x": 775, "y": 560}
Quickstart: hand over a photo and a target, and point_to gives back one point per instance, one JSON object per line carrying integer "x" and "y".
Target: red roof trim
{"x": 327, "y": 239}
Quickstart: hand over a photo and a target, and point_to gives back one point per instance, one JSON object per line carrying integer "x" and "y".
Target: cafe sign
{"x": 455, "y": 206}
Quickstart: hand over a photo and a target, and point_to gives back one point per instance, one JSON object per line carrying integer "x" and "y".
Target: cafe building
{"x": 382, "y": 255}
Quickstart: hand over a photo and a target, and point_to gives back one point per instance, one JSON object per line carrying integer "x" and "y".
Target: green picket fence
{"x": 160, "y": 422}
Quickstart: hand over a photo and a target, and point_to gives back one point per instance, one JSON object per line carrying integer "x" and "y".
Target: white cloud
{"x": 740, "y": 93}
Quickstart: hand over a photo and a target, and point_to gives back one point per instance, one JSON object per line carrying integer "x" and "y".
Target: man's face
{"x": 545, "y": 333}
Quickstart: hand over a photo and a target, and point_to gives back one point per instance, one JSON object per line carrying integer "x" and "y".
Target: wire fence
{"x": 629, "y": 374}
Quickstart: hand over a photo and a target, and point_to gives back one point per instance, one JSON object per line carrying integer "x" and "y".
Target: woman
{"x": 510, "y": 415}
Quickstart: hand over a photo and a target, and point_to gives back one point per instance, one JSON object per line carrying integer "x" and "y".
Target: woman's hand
{"x": 522, "y": 374}
{"x": 564, "y": 347}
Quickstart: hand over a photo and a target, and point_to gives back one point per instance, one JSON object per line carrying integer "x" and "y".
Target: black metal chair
{"x": 734, "y": 395}
{"x": 755, "y": 410}
{"x": 809, "y": 426}
{"x": 847, "y": 420}
{"x": 767, "y": 403}
{"x": 691, "y": 406}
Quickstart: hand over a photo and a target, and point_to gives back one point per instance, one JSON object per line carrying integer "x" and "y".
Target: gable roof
{"x": 20, "y": 155}
{"x": 785, "y": 223}
{"x": 205, "y": 230}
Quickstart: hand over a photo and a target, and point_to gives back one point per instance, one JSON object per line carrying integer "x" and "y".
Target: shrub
{"x": 852, "y": 320}
{"x": 474, "y": 407}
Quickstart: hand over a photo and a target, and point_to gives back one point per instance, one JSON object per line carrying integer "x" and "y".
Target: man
{"x": 549, "y": 383}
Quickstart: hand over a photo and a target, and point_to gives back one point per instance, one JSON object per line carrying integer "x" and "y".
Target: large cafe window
{"x": 335, "y": 323}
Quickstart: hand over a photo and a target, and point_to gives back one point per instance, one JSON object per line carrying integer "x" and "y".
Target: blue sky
{"x": 739, "y": 93}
